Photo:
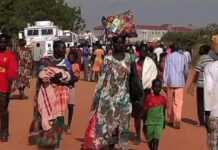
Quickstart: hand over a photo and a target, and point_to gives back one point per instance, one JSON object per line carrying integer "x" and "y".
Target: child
{"x": 73, "y": 67}
{"x": 155, "y": 107}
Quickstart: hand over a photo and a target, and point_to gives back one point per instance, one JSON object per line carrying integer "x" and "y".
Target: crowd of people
{"x": 156, "y": 69}
{"x": 141, "y": 81}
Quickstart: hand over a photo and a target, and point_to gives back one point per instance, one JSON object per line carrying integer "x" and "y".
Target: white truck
{"x": 45, "y": 33}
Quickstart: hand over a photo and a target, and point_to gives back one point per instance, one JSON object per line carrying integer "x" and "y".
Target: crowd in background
{"x": 146, "y": 81}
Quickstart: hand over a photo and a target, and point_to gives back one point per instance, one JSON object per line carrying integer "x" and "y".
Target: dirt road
{"x": 189, "y": 137}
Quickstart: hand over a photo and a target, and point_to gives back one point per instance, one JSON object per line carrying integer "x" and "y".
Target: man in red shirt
{"x": 8, "y": 72}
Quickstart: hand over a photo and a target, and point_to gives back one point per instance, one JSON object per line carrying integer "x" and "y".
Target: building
{"x": 149, "y": 33}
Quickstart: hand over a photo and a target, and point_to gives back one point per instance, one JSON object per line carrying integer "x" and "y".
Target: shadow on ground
{"x": 190, "y": 121}
{"x": 81, "y": 140}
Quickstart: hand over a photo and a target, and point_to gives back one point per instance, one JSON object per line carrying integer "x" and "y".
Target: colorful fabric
{"x": 99, "y": 54}
{"x": 25, "y": 68}
{"x": 155, "y": 101}
{"x": 47, "y": 103}
{"x": 8, "y": 70}
{"x": 52, "y": 103}
{"x": 47, "y": 73}
{"x": 175, "y": 103}
{"x": 122, "y": 24}
{"x": 90, "y": 134}
{"x": 155, "y": 119}
{"x": 113, "y": 103}
{"x": 62, "y": 94}
{"x": 213, "y": 133}
{"x": 49, "y": 138}
{"x": 176, "y": 70}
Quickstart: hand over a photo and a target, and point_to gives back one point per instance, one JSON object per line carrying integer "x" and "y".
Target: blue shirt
{"x": 86, "y": 55}
{"x": 68, "y": 65}
{"x": 176, "y": 70}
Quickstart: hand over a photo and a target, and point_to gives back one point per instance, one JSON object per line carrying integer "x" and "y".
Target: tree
{"x": 15, "y": 14}
{"x": 190, "y": 39}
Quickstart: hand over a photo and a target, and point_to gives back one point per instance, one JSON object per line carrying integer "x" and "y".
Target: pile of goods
{"x": 120, "y": 25}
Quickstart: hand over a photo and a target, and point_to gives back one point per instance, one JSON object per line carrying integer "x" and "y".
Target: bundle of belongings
{"x": 120, "y": 25}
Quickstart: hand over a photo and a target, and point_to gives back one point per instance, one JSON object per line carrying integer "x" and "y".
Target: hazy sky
{"x": 180, "y": 12}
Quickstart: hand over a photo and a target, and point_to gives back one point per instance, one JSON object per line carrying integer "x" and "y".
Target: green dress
{"x": 155, "y": 122}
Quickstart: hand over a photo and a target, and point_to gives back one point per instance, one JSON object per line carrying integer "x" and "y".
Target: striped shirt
{"x": 176, "y": 70}
{"x": 201, "y": 64}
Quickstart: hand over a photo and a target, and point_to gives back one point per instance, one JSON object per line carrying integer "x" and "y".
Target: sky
{"x": 151, "y": 12}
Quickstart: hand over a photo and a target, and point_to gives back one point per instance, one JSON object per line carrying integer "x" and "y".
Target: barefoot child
{"x": 155, "y": 107}
{"x": 74, "y": 68}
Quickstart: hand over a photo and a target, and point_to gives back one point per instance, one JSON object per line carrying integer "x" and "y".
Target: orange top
{"x": 76, "y": 70}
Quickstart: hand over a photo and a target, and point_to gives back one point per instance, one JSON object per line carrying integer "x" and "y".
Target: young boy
{"x": 155, "y": 107}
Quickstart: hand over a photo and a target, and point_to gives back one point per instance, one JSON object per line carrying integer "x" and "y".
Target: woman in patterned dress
{"x": 25, "y": 68}
{"x": 112, "y": 104}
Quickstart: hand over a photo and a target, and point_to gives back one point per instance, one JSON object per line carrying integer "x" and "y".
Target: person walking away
{"x": 8, "y": 73}
{"x": 197, "y": 76}
{"x": 211, "y": 103}
{"x": 211, "y": 97}
{"x": 188, "y": 58}
{"x": 99, "y": 57}
{"x": 175, "y": 76}
{"x": 25, "y": 62}
{"x": 155, "y": 107}
{"x": 158, "y": 51}
{"x": 86, "y": 61}
{"x": 73, "y": 67}
{"x": 161, "y": 65}
{"x": 137, "y": 105}
{"x": 149, "y": 73}
{"x": 37, "y": 53}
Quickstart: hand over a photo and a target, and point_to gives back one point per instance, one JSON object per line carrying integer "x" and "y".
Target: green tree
{"x": 15, "y": 14}
{"x": 190, "y": 39}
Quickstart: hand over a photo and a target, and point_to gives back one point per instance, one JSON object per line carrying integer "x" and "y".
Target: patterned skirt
{"x": 50, "y": 138}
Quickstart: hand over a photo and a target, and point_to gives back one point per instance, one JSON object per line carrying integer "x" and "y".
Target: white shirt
{"x": 158, "y": 51}
{"x": 149, "y": 72}
{"x": 210, "y": 88}
{"x": 188, "y": 57}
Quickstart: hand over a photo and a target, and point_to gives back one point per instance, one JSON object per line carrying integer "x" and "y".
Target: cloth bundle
{"x": 120, "y": 25}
